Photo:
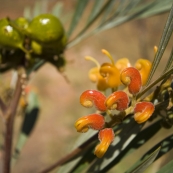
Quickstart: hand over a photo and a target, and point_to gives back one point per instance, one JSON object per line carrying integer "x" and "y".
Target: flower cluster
{"x": 122, "y": 101}
{"x": 107, "y": 75}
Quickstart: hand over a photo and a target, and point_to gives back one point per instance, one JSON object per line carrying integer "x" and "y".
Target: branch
{"x": 10, "y": 114}
{"x": 72, "y": 155}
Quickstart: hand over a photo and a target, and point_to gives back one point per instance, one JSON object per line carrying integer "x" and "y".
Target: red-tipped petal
{"x": 118, "y": 100}
{"x": 93, "y": 97}
{"x": 131, "y": 77}
{"x": 143, "y": 111}
{"x": 106, "y": 136}
{"x": 93, "y": 121}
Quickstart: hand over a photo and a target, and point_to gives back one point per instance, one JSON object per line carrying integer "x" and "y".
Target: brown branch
{"x": 3, "y": 106}
{"x": 72, "y": 155}
{"x": 75, "y": 152}
{"x": 10, "y": 114}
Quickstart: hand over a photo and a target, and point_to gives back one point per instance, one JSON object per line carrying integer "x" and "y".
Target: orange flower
{"x": 95, "y": 76}
{"x": 131, "y": 77}
{"x": 93, "y": 97}
{"x": 117, "y": 100}
{"x": 108, "y": 74}
{"x": 106, "y": 136}
{"x": 93, "y": 121}
{"x": 143, "y": 111}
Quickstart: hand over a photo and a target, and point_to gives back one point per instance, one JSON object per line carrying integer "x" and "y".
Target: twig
{"x": 10, "y": 114}
{"x": 72, "y": 155}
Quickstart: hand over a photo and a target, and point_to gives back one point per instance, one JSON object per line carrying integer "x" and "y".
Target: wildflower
{"x": 93, "y": 121}
{"x": 106, "y": 136}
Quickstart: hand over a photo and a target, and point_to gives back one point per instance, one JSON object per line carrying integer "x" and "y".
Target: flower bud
{"x": 93, "y": 121}
{"x": 131, "y": 77}
{"x": 106, "y": 136}
{"x": 143, "y": 111}
{"x": 117, "y": 100}
{"x": 93, "y": 97}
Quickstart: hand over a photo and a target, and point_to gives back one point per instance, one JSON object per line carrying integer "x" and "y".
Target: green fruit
{"x": 22, "y": 22}
{"x": 10, "y": 37}
{"x": 45, "y": 29}
{"x": 36, "y": 47}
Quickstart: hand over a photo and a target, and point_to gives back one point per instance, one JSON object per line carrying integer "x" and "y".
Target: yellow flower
{"x": 122, "y": 63}
{"x": 106, "y": 136}
{"x": 107, "y": 75}
{"x": 144, "y": 67}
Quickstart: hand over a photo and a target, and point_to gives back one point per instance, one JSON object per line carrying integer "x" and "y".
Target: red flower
{"x": 93, "y": 121}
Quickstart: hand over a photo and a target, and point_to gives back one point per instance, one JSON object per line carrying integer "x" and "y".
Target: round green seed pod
{"x": 22, "y": 22}
{"x": 45, "y": 28}
{"x": 10, "y": 37}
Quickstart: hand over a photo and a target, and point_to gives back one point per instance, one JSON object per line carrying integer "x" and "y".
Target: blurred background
{"x": 54, "y": 134}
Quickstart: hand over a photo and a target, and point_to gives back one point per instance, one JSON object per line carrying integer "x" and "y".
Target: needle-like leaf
{"x": 163, "y": 43}
{"x": 81, "y": 5}
{"x": 169, "y": 62}
{"x": 166, "y": 146}
{"x": 144, "y": 164}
